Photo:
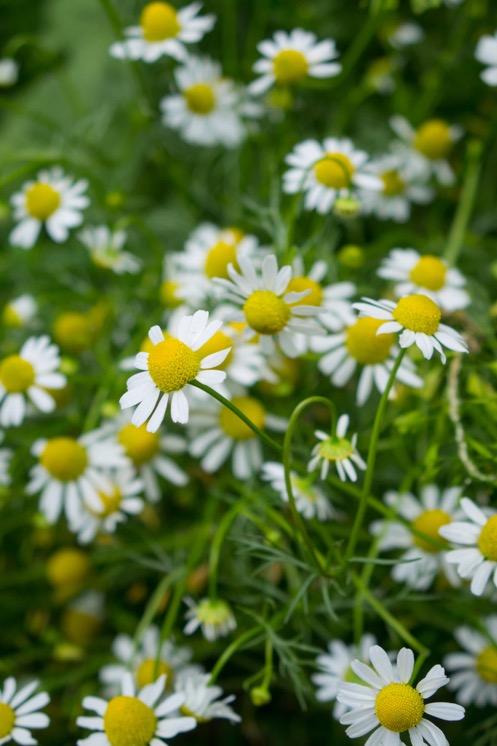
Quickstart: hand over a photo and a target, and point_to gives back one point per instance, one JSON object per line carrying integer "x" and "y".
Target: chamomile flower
{"x": 358, "y": 345}
{"x": 25, "y": 378}
{"x": 20, "y": 711}
{"x": 474, "y": 671}
{"x": 334, "y": 669}
{"x": 423, "y": 555}
{"x": 213, "y": 617}
{"x": 202, "y": 701}
{"x": 289, "y": 58}
{"x": 163, "y": 31}
{"x": 217, "y": 433}
{"x": 71, "y": 471}
{"x": 19, "y": 311}
{"x": 405, "y": 35}
{"x": 310, "y": 500}
{"x": 486, "y": 53}
{"x": 174, "y": 361}
{"x": 106, "y": 249}
{"x": 5, "y": 458}
{"x": 477, "y": 560}
{"x": 9, "y": 72}
{"x": 390, "y": 706}
{"x": 326, "y": 171}
{"x": 150, "y": 658}
{"x": 53, "y": 200}
{"x": 83, "y": 617}
{"x": 268, "y": 307}
{"x": 417, "y": 318}
{"x": 134, "y": 717}
{"x": 428, "y": 147}
{"x": 427, "y": 274}
{"x": 208, "y": 109}
{"x": 339, "y": 450}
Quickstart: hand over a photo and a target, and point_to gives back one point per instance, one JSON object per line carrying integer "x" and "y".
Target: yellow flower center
{"x": 41, "y": 200}
{"x": 335, "y": 449}
{"x": 487, "y": 541}
{"x": 219, "y": 341}
{"x": 218, "y": 257}
{"x": 233, "y": 426}
{"x": 159, "y": 21}
{"x": 169, "y": 294}
{"x": 64, "y": 458}
{"x": 486, "y": 664}
{"x": 334, "y": 171}
{"x": 68, "y": 567}
{"x": 73, "y": 331}
{"x": 11, "y": 317}
{"x": 215, "y": 613}
{"x": 304, "y": 486}
{"x": 433, "y": 139}
{"x": 399, "y": 707}
{"x": 429, "y": 272}
{"x": 147, "y": 345}
{"x": 110, "y": 503}
{"x": 7, "y": 719}
{"x": 16, "y": 374}
{"x": 149, "y": 671}
{"x": 129, "y": 722}
{"x": 315, "y": 295}
{"x": 266, "y": 312}
{"x": 393, "y": 185}
{"x": 417, "y": 313}
{"x": 140, "y": 445}
{"x": 172, "y": 364}
{"x": 290, "y": 66}
{"x": 429, "y": 522}
{"x": 79, "y": 626}
{"x": 200, "y": 98}
{"x": 364, "y": 345}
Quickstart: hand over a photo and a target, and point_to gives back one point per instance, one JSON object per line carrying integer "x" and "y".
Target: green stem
{"x": 466, "y": 202}
{"x": 217, "y": 544}
{"x": 231, "y": 650}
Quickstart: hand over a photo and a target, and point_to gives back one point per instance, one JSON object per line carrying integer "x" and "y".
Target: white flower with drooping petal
{"x": 474, "y": 670}
{"x": 19, "y": 311}
{"x": 202, "y": 701}
{"x": 106, "y": 249}
{"x": 212, "y": 616}
{"x": 310, "y": 500}
{"x": 20, "y": 712}
{"x": 428, "y": 147}
{"x": 486, "y": 53}
{"x": 339, "y": 450}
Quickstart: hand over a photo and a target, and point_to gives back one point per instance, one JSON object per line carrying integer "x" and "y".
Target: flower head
{"x": 486, "y": 53}
{"x": 213, "y": 617}
{"x": 338, "y": 450}
{"x": 428, "y": 147}
{"x": 475, "y": 668}
{"x": 106, "y": 249}
{"x": 202, "y": 701}
{"x": 309, "y": 498}
{"x": 20, "y": 711}
{"x": 19, "y": 311}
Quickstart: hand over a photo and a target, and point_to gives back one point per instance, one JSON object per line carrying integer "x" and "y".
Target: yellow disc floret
{"x": 219, "y": 256}
{"x": 214, "y": 613}
{"x": 11, "y": 317}
{"x": 434, "y": 139}
{"x": 110, "y": 502}
{"x": 7, "y": 719}
{"x": 487, "y": 541}
{"x": 486, "y": 664}
{"x": 219, "y": 341}
{"x": 68, "y": 567}
{"x": 140, "y": 445}
{"x": 172, "y": 364}
{"x": 16, "y": 374}
{"x": 200, "y": 98}
{"x": 159, "y": 21}
{"x": 73, "y": 331}
{"x": 334, "y": 171}
{"x": 399, "y": 707}
{"x": 429, "y": 272}
{"x": 336, "y": 449}
{"x": 290, "y": 66}
{"x": 266, "y": 312}
{"x": 129, "y": 722}
{"x": 149, "y": 671}
{"x": 429, "y": 522}
{"x": 315, "y": 295}
{"x": 418, "y": 314}
{"x": 169, "y": 294}
{"x": 393, "y": 184}
{"x": 42, "y": 200}
{"x": 365, "y": 345}
{"x": 64, "y": 458}
{"x": 233, "y": 426}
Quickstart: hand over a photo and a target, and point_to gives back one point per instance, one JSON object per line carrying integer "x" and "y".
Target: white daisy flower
{"x": 217, "y": 434}
{"x": 326, "y": 171}
{"x": 417, "y": 318}
{"x": 405, "y": 35}
{"x": 213, "y": 617}
{"x": 339, "y": 450}
{"x": 358, "y": 344}
{"x": 310, "y": 500}
{"x": 423, "y": 557}
{"x": 142, "y": 717}
{"x": 173, "y": 363}
{"x": 71, "y": 471}
{"x": 106, "y": 249}
{"x": 146, "y": 659}
{"x": 19, "y": 311}
{"x": 101, "y": 514}
{"x": 24, "y": 379}
{"x": 202, "y": 701}
{"x": 428, "y": 147}
{"x": 390, "y": 706}
{"x": 427, "y": 274}
{"x": 163, "y": 31}
{"x": 20, "y": 712}
{"x": 486, "y": 53}
{"x": 5, "y": 458}
{"x": 289, "y": 58}
{"x": 478, "y": 535}
{"x": 53, "y": 200}
{"x": 208, "y": 109}
{"x": 268, "y": 307}
{"x": 9, "y": 72}
{"x": 474, "y": 671}
{"x": 334, "y": 669}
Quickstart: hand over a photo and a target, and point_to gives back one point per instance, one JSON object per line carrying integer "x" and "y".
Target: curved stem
{"x": 231, "y": 650}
